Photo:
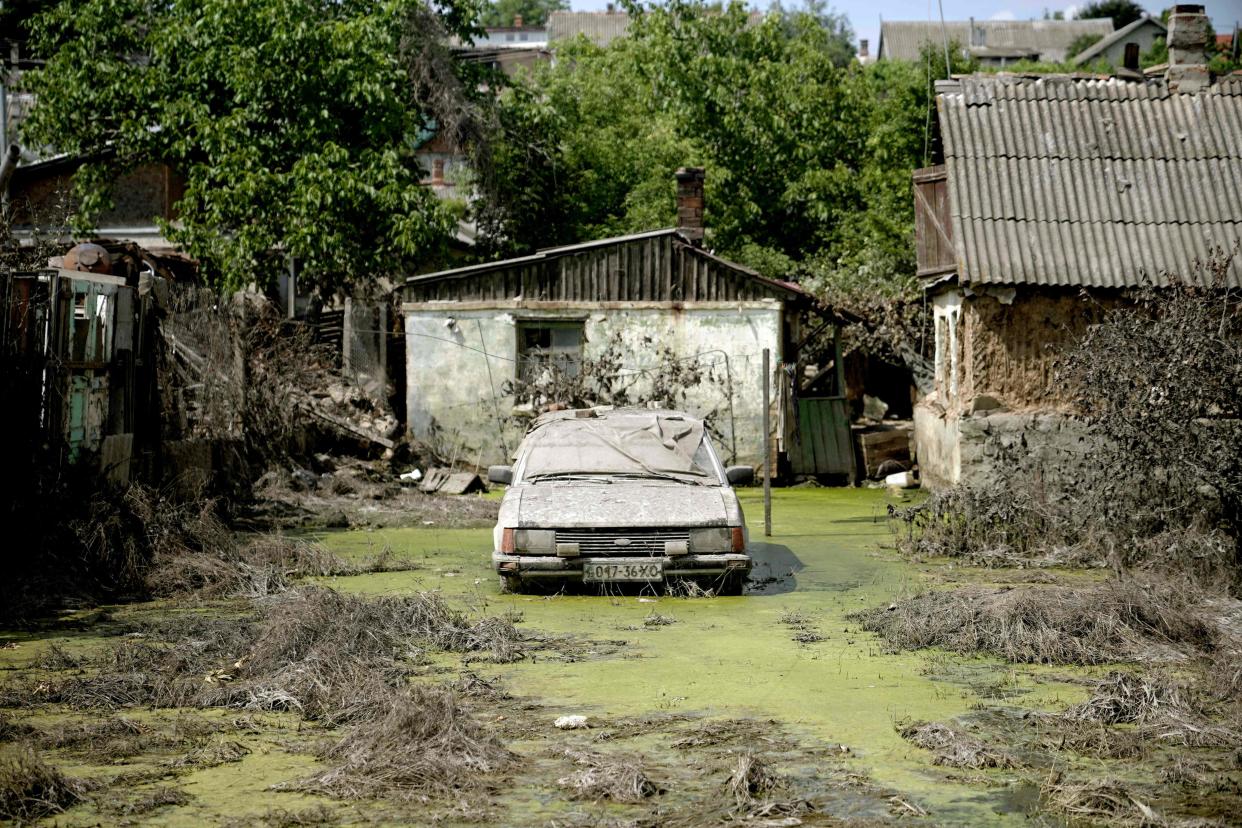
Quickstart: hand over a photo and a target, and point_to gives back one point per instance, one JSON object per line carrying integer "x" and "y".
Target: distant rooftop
{"x": 601, "y": 28}
{"x": 1048, "y": 39}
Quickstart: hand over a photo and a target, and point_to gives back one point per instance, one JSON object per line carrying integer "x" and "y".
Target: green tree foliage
{"x": 1121, "y": 12}
{"x": 532, "y": 12}
{"x": 290, "y": 120}
{"x": 808, "y": 161}
{"x": 1082, "y": 43}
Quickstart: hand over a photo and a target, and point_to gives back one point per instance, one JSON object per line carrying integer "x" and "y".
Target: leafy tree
{"x": 1121, "y": 12}
{"x": 1082, "y": 43}
{"x": 808, "y": 162}
{"x": 532, "y": 12}
{"x": 291, "y": 122}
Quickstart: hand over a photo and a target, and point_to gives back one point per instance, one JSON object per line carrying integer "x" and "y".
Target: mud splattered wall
{"x": 459, "y": 358}
{"x": 1013, "y": 340}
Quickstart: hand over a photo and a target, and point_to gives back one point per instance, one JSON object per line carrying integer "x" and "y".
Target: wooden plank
{"x": 879, "y": 446}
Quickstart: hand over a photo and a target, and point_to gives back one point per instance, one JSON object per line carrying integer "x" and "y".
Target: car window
{"x": 637, "y": 446}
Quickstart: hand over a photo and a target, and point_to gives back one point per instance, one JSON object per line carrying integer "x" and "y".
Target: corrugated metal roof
{"x": 904, "y": 39}
{"x": 1061, "y": 181}
{"x": 601, "y": 28}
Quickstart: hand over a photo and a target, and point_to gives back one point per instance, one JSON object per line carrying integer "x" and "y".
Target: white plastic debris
{"x": 902, "y": 480}
{"x": 412, "y": 476}
{"x": 571, "y": 722}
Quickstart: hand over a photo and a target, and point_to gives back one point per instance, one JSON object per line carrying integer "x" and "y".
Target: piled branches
{"x": 1114, "y": 621}
{"x": 954, "y": 748}
{"x": 603, "y": 778}
{"x": 30, "y": 789}
{"x": 544, "y": 383}
{"x": 334, "y": 659}
{"x": 423, "y": 744}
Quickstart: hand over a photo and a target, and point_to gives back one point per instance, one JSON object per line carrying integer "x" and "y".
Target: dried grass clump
{"x": 322, "y": 624}
{"x": 955, "y": 749}
{"x": 263, "y": 566}
{"x": 1100, "y": 799}
{"x": 31, "y": 789}
{"x": 162, "y": 796}
{"x": 752, "y": 780}
{"x": 1114, "y": 621}
{"x": 424, "y": 745}
{"x": 603, "y": 778}
{"x": 211, "y": 755}
{"x": 1124, "y": 698}
{"x": 1099, "y": 741}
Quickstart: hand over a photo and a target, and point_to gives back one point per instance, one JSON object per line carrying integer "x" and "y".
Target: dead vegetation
{"x": 1114, "y": 621}
{"x": 607, "y": 778}
{"x": 1156, "y": 384}
{"x": 954, "y": 748}
{"x": 1103, "y": 800}
{"x": 333, "y": 659}
{"x": 31, "y": 789}
{"x": 424, "y": 744}
{"x": 753, "y": 780}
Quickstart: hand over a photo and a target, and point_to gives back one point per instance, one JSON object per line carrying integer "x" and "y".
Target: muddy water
{"x": 734, "y": 657}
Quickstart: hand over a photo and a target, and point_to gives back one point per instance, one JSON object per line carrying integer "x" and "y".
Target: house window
{"x": 549, "y": 344}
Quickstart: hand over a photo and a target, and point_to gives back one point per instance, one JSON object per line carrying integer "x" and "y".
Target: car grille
{"x": 604, "y": 541}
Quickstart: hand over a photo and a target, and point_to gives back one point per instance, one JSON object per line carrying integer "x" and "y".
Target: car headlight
{"x": 715, "y": 539}
{"x": 536, "y": 541}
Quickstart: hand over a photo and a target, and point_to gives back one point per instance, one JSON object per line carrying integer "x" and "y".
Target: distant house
{"x": 1144, "y": 32}
{"x": 1057, "y": 198}
{"x": 39, "y": 191}
{"x": 517, "y": 36}
{"x": 991, "y": 42}
{"x": 472, "y": 332}
{"x": 601, "y": 28}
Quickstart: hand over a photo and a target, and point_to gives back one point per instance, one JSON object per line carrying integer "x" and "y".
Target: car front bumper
{"x": 537, "y": 567}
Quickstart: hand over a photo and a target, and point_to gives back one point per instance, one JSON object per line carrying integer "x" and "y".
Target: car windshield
{"x": 645, "y": 446}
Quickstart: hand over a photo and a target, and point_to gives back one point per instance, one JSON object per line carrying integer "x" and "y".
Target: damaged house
{"x": 626, "y": 306}
{"x": 1058, "y": 197}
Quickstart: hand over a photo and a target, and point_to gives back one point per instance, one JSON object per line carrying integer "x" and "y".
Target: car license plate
{"x": 623, "y": 571}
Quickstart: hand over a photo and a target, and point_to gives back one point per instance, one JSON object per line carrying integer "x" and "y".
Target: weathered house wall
{"x": 997, "y": 356}
{"x": 459, "y": 359}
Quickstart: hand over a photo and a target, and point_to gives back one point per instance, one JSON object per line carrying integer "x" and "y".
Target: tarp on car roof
{"x": 638, "y": 443}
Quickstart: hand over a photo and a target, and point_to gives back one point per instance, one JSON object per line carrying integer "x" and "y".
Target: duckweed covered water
{"x": 719, "y": 659}
{"x": 733, "y": 657}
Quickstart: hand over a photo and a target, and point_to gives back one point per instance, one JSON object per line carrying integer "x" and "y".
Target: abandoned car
{"x": 608, "y": 496}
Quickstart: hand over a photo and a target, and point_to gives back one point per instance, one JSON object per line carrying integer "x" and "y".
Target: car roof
{"x": 607, "y": 413}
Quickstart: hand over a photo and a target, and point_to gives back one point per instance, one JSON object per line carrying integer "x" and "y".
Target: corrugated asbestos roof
{"x": 904, "y": 39}
{"x": 601, "y": 28}
{"x": 1059, "y": 181}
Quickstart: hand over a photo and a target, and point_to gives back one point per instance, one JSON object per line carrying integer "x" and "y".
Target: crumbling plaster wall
{"x": 996, "y": 397}
{"x": 459, "y": 359}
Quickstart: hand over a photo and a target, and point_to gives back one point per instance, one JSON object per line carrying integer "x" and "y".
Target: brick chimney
{"x": 517, "y": 21}
{"x": 1188, "y": 41}
{"x": 690, "y": 203}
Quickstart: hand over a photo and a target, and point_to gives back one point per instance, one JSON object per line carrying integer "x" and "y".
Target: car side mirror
{"x": 740, "y": 475}
{"x": 500, "y": 474}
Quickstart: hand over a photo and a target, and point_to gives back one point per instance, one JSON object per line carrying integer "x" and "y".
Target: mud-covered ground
{"x": 774, "y": 708}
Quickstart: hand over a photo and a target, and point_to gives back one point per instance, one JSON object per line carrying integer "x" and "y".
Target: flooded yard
{"x": 770, "y": 708}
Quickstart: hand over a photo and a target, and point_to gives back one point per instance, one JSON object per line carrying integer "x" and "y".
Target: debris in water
{"x": 571, "y": 723}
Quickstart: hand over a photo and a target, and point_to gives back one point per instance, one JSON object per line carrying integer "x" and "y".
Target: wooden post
{"x": 767, "y": 444}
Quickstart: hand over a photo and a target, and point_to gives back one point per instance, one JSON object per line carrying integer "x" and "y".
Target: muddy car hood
{"x": 556, "y": 505}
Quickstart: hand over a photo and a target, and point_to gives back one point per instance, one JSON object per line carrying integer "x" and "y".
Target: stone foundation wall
{"x": 973, "y": 448}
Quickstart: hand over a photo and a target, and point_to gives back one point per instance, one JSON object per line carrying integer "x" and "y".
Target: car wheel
{"x": 730, "y": 583}
{"x": 510, "y": 584}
